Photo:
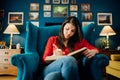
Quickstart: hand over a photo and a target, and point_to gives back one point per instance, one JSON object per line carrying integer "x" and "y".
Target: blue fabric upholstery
{"x": 29, "y": 64}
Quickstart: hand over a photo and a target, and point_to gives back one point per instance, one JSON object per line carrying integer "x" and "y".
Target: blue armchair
{"x": 30, "y": 64}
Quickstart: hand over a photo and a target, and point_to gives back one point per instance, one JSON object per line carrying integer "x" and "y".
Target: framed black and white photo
{"x": 74, "y": 14}
{"x": 104, "y": 18}
{"x": 34, "y": 6}
{"x": 15, "y": 18}
{"x": 33, "y": 16}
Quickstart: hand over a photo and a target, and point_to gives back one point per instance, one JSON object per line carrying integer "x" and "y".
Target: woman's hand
{"x": 90, "y": 53}
{"x": 58, "y": 52}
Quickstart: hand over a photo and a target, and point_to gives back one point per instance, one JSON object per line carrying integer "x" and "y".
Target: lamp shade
{"x": 107, "y": 30}
{"x": 11, "y": 29}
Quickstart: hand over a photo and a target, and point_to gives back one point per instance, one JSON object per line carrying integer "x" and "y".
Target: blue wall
{"x": 97, "y": 6}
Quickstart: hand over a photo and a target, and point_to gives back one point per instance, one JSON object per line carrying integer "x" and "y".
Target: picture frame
{"x": 56, "y": 1}
{"x": 65, "y": 1}
{"x": 85, "y": 7}
{"x": 47, "y": 1}
{"x": 73, "y": 7}
{"x": 47, "y": 14}
{"x": 47, "y": 7}
{"x": 33, "y": 15}
{"x": 87, "y": 15}
{"x": 15, "y": 18}
{"x": 60, "y": 10}
{"x": 34, "y": 6}
{"x": 104, "y": 18}
{"x": 36, "y": 23}
{"x": 73, "y": 1}
{"x": 74, "y": 14}
{"x": 87, "y": 23}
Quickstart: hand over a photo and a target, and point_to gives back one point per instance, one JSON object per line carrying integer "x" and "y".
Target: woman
{"x": 70, "y": 38}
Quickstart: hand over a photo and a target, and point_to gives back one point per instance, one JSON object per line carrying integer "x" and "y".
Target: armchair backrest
{"x": 37, "y": 37}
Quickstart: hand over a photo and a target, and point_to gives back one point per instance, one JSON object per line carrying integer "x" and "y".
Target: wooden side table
{"x": 5, "y": 67}
{"x": 109, "y": 52}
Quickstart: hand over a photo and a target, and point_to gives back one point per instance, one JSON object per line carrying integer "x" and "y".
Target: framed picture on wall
{"x": 104, "y": 18}
{"x": 15, "y": 18}
{"x": 73, "y": 7}
{"x": 34, "y": 6}
{"x": 87, "y": 23}
{"x": 85, "y": 7}
{"x": 47, "y": 7}
{"x": 33, "y": 16}
{"x": 60, "y": 10}
{"x": 47, "y": 1}
{"x": 36, "y": 23}
{"x": 74, "y": 14}
{"x": 65, "y": 1}
{"x": 56, "y": 1}
{"x": 47, "y": 14}
{"x": 87, "y": 16}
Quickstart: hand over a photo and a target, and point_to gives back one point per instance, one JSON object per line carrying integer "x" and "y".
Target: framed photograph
{"x": 56, "y": 1}
{"x": 34, "y": 6}
{"x": 47, "y": 14}
{"x": 15, "y": 18}
{"x": 60, "y": 10}
{"x": 47, "y": 7}
{"x": 85, "y": 7}
{"x": 36, "y": 23}
{"x": 33, "y": 16}
{"x": 65, "y": 1}
{"x": 86, "y": 23}
{"x": 73, "y": 1}
{"x": 73, "y": 7}
{"x": 74, "y": 14}
{"x": 104, "y": 18}
{"x": 47, "y": 1}
{"x": 87, "y": 16}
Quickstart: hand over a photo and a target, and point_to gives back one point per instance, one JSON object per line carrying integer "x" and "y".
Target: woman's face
{"x": 68, "y": 30}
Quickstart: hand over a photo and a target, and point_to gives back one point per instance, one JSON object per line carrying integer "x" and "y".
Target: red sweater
{"x": 52, "y": 40}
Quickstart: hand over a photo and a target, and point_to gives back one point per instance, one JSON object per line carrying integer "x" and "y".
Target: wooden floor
{"x": 7, "y": 77}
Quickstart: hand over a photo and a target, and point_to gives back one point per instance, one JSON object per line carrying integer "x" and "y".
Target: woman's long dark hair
{"x": 77, "y": 37}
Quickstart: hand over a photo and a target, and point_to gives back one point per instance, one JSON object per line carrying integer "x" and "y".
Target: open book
{"x": 75, "y": 54}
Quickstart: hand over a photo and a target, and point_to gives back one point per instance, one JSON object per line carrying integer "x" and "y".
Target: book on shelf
{"x": 75, "y": 54}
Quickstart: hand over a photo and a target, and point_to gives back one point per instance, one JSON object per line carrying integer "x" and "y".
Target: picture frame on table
{"x": 15, "y": 18}
{"x": 47, "y": 7}
{"x": 73, "y": 7}
{"x": 85, "y": 7}
{"x": 33, "y": 16}
{"x": 60, "y": 11}
{"x": 87, "y": 15}
{"x": 34, "y": 6}
{"x": 56, "y": 1}
{"x": 104, "y": 18}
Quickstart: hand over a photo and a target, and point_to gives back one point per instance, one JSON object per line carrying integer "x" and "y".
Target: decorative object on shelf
{"x": 11, "y": 29}
{"x": 34, "y": 6}
{"x": 107, "y": 31}
{"x": 85, "y": 7}
{"x": 15, "y": 18}
{"x": 104, "y": 18}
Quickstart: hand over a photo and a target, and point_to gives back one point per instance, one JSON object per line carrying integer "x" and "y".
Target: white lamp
{"x": 107, "y": 31}
{"x": 11, "y": 29}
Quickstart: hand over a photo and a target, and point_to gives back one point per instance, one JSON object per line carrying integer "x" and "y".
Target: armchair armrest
{"x": 96, "y": 65}
{"x": 27, "y": 65}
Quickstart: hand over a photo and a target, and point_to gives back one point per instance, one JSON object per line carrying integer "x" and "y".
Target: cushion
{"x": 115, "y": 57}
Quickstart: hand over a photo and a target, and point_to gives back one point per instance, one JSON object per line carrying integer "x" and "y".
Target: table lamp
{"x": 107, "y": 31}
{"x": 11, "y": 29}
